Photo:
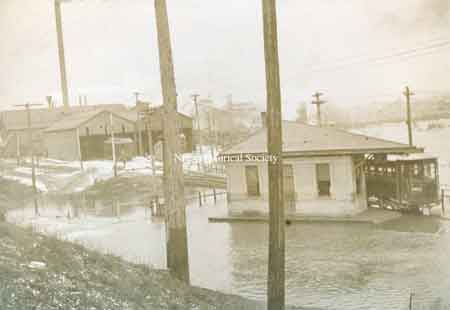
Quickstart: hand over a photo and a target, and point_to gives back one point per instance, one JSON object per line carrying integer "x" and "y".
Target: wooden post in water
{"x": 27, "y": 107}
{"x": 174, "y": 200}
{"x": 276, "y": 268}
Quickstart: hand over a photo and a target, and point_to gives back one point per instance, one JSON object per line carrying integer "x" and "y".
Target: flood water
{"x": 329, "y": 266}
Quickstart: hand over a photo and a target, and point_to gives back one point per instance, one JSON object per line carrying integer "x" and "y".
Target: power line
{"x": 413, "y": 52}
{"x": 367, "y": 55}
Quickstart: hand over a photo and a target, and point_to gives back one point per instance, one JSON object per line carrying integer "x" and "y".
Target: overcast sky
{"x": 354, "y": 51}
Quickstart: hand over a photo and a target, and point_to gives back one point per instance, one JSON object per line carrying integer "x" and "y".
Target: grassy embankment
{"x": 76, "y": 278}
{"x": 41, "y": 272}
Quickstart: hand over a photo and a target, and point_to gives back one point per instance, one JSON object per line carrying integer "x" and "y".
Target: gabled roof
{"x": 305, "y": 140}
{"x": 44, "y": 118}
{"x": 77, "y": 120}
{"x": 157, "y": 118}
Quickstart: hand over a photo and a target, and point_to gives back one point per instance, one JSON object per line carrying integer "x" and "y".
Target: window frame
{"x": 319, "y": 183}
{"x": 249, "y": 187}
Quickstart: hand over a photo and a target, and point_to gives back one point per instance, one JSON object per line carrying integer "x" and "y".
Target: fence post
{"x": 200, "y": 199}
{"x": 215, "y": 195}
{"x": 443, "y": 201}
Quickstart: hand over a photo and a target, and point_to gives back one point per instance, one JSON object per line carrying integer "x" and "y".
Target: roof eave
{"x": 399, "y": 150}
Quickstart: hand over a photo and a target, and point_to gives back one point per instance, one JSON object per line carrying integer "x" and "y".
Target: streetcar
{"x": 407, "y": 184}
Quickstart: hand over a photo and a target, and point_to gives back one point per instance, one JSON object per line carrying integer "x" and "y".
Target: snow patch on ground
{"x": 26, "y": 181}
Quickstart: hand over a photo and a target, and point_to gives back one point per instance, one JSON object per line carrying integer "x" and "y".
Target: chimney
{"x": 264, "y": 119}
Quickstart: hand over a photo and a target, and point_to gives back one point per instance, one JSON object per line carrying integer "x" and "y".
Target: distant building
{"x": 323, "y": 170}
{"x": 14, "y": 126}
{"x": 245, "y": 114}
{"x": 81, "y": 131}
{"x": 223, "y": 124}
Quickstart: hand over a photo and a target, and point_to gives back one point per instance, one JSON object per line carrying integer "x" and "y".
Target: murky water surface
{"x": 333, "y": 266}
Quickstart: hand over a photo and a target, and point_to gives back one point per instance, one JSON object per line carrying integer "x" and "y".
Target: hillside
{"x": 38, "y": 272}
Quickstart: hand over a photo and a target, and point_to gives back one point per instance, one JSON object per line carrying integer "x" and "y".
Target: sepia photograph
{"x": 224, "y": 155}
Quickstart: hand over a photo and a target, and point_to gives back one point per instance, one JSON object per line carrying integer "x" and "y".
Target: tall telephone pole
{"x": 210, "y": 135}
{"x": 62, "y": 59}
{"x": 276, "y": 268}
{"x": 408, "y": 95}
{"x": 33, "y": 165}
{"x": 197, "y": 120}
{"x": 175, "y": 205}
{"x": 138, "y": 124}
{"x": 136, "y": 96}
{"x": 113, "y": 144}
{"x": 317, "y": 102}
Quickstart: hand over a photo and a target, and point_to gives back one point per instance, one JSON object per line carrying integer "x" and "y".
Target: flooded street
{"x": 331, "y": 266}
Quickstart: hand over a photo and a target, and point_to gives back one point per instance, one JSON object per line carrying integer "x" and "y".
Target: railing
{"x": 205, "y": 180}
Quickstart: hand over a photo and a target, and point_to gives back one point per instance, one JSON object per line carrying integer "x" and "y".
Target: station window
{"x": 323, "y": 179}
{"x": 252, "y": 177}
{"x": 288, "y": 180}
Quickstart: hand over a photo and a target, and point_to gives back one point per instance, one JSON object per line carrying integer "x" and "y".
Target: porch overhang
{"x": 339, "y": 152}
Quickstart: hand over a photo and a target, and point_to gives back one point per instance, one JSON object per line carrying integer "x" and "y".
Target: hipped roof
{"x": 306, "y": 140}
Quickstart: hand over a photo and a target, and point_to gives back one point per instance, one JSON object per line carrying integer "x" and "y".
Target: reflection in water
{"x": 333, "y": 266}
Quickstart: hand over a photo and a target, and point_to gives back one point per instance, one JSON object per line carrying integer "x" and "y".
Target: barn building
{"x": 82, "y": 132}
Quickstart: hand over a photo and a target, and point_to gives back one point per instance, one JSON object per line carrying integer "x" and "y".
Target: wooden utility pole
{"x": 146, "y": 116}
{"x": 408, "y": 95}
{"x": 33, "y": 166}
{"x": 136, "y": 96}
{"x": 62, "y": 59}
{"x": 138, "y": 124}
{"x": 50, "y": 102}
{"x": 151, "y": 148}
{"x": 210, "y": 135}
{"x": 18, "y": 148}
{"x": 175, "y": 207}
{"x": 317, "y": 102}
{"x": 276, "y": 270}
{"x": 197, "y": 119}
{"x": 113, "y": 144}
{"x": 80, "y": 155}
